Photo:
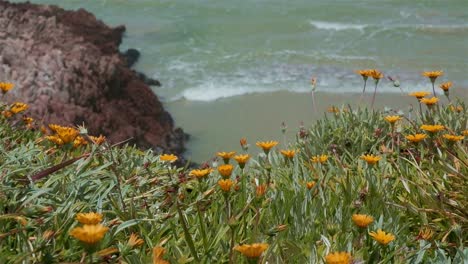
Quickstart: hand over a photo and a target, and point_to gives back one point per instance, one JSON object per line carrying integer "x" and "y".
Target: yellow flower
{"x": 429, "y": 101}
{"x": 371, "y": 159}
{"x": 416, "y": 137}
{"x": 200, "y": 173}
{"x": 362, "y": 220}
{"x": 266, "y": 145}
{"x": 158, "y": 253}
{"x": 260, "y": 190}
{"x": 168, "y": 157}
{"x": 98, "y": 140}
{"x": 242, "y": 159}
{"x": 225, "y": 184}
{"x": 5, "y": 86}
{"x": 89, "y": 234}
{"x": 392, "y": 119}
{"x": 66, "y": 134}
{"x": 333, "y": 109}
{"x": 319, "y": 158}
{"x": 310, "y": 185}
{"x": 79, "y": 141}
{"x": 338, "y": 258}
{"x": 382, "y": 237}
{"x": 377, "y": 75}
{"x": 457, "y": 109}
{"x": 89, "y": 218}
{"x": 28, "y": 120}
{"x": 432, "y": 128}
{"x": 7, "y": 114}
{"x": 18, "y": 107}
{"x": 425, "y": 234}
{"x": 252, "y": 250}
{"x": 364, "y": 73}
{"x": 432, "y": 75}
{"x": 453, "y": 138}
{"x": 446, "y": 86}
{"x": 465, "y": 133}
{"x": 135, "y": 241}
{"x": 55, "y": 140}
{"x": 288, "y": 153}
{"x": 226, "y": 155}
{"x": 225, "y": 170}
{"x": 419, "y": 95}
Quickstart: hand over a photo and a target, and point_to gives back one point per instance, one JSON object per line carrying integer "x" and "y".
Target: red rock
{"x": 67, "y": 66}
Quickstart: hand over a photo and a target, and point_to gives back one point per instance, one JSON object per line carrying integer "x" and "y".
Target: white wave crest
{"x": 337, "y": 26}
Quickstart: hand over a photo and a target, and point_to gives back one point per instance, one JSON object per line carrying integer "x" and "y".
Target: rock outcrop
{"x": 67, "y": 66}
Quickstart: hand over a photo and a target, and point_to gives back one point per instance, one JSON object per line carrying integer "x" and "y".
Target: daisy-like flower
{"x": 89, "y": 218}
{"x": 18, "y": 107}
{"x": 425, "y": 233}
{"x": 260, "y": 190}
{"x": 419, "y": 95}
{"x": 371, "y": 159}
{"x": 135, "y": 241}
{"x": 226, "y": 156}
{"x": 362, "y": 220}
{"x": 288, "y": 153}
{"x": 319, "y": 159}
{"x": 79, "y": 141}
{"x": 244, "y": 144}
{"x": 338, "y": 258}
{"x": 432, "y": 128}
{"x": 242, "y": 160}
{"x": 333, "y": 109}
{"x": 252, "y": 250}
{"x": 98, "y": 140}
{"x": 392, "y": 119}
{"x": 225, "y": 170}
{"x": 453, "y": 138}
{"x": 266, "y": 145}
{"x": 416, "y": 137}
{"x": 225, "y": 184}
{"x": 432, "y": 75}
{"x": 199, "y": 174}
{"x": 66, "y": 134}
{"x": 89, "y": 234}
{"x": 28, "y": 120}
{"x": 465, "y": 133}
{"x": 429, "y": 101}
{"x": 365, "y": 74}
{"x": 457, "y": 108}
{"x": 310, "y": 185}
{"x": 445, "y": 86}
{"x": 55, "y": 139}
{"x": 158, "y": 254}
{"x": 6, "y": 86}
{"x": 377, "y": 75}
{"x": 168, "y": 157}
{"x": 382, "y": 237}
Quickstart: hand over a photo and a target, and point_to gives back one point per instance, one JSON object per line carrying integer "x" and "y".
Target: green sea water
{"x": 215, "y": 52}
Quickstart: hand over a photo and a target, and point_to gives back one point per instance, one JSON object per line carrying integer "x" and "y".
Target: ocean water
{"x": 209, "y": 54}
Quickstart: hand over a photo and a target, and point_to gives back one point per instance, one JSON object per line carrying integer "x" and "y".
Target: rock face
{"x": 67, "y": 66}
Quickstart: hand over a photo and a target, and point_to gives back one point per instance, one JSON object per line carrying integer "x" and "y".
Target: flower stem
{"x": 363, "y": 91}
{"x": 188, "y": 236}
{"x": 202, "y": 228}
{"x": 375, "y": 92}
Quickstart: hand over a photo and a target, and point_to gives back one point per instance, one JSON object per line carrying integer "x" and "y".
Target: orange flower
{"x": 319, "y": 159}
{"x": 310, "y": 185}
{"x": 89, "y": 234}
{"x": 457, "y": 108}
{"x": 392, "y": 119}
{"x": 158, "y": 253}
{"x": 260, "y": 190}
{"x": 28, "y": 120}
{"x": 465, "y": 133}
{"x": 98, "y": 140}
{"x": 225, "y": 170}
{"x": 225, "y": 184}
{"x": 79, "y": 141}
{"x": 66, "y": 134}
{"x": 333, "y": 109}
{"x": 168, "y": 157}
{"x": 89, "y": 218}
{"x": 377, "y": 75}
{"x": 135, "y": 241}
{"x": 429, "y": 101}
{"x": 445, "y": 86}
{"x": 453, "y": 138}
{"x": 425, "y": 233}
{"x": 362, "y": 220}
{"x": 416, "y": 137}
{"x": 382, "y": 237}
{"x": 371, "y": 159}
{"x": 364, "y": 73}
{"x": 252, "y": 250}
{"x": 432, "y": 128}
{"x": 200, "y": 173}
{"x": 5, "y": 87}
{"x": 242, "y": 159}
{"x": 107, "y": 251}
{"x": 226, "y": 156}
{"x": 55, "y": 140}
{"x": 420, "y": 94}
{"x": 432, "y": 75}
{"x": 7, "y": 114}
{"x": 288, "y": 153}
{"x": 266, "y": 145}
{"x": 338, "y": 258}
{"x": 18, "y": 107}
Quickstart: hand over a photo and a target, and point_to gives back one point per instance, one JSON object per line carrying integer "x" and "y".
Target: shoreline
{"x": 218, "y": 125}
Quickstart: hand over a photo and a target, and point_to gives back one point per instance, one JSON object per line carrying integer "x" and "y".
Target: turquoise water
{"x": 208, "y": 49}
{"x": 219, "y": 61}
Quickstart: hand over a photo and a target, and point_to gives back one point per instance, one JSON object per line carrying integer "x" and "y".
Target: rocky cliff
{"x": 67, "y": 66}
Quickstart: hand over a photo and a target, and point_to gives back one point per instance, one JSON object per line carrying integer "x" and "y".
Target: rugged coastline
{"x": 67, "y": 66}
